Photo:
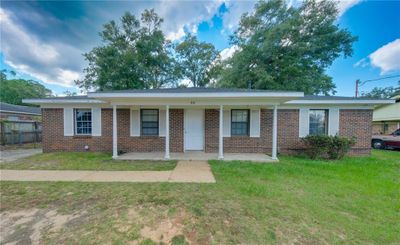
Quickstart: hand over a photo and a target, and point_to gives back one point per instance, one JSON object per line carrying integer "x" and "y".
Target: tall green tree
{"x": 382, "y": 93}
{"x": 134, "y": 55}
{"x": 195, "y": 60}
{"x": 287, "y": 48}
{"x": 14, "y": 90}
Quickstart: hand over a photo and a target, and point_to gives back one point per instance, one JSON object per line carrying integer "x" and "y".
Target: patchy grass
{"x": 355, "y": 200}
{"x": 84, "y": 161}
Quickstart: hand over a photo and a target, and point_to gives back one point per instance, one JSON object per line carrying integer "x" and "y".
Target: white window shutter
{"x": 255, "y": 123}
{"x": 68, "y": 122}
{"x": 161, "y": 122}
{"x": 227, "y": 123}
{"x": 135, "y": 123}
{"x": 304, "y": 122}
{"x": 96, "y": 121}
{"x": 333, "y": 121}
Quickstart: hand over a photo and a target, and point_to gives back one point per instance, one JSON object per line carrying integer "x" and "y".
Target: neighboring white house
{"x": 386, "y": 118}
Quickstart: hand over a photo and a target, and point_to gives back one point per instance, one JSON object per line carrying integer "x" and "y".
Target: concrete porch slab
{"x": 196, "y": 156}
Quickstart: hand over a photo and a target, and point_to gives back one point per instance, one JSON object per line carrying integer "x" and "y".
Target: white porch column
{"x": 275, "y": 133}
{"x": 166, "y": 132}
{"x": 221, "y": 131}
{"x": 115, "y": 137}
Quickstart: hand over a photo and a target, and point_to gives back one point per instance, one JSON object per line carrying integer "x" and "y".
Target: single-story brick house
{"x": 190, "y": 119}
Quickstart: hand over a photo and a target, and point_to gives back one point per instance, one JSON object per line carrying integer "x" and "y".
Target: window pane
{"x": 318, "y": 122}
{"x": 239, "y": 115}
{"x": 83, "y": 121}
{"x": 240, "y": 122}
{"x": 149, "y": 119}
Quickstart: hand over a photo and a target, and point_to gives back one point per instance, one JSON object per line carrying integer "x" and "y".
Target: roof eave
{"x": 340, "y": 102}
{"x": 62, "y": 101}
{"x": 200, "y": 95}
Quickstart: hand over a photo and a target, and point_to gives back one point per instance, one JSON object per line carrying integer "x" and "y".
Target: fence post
{"x": 3, "y": 133}
{"x": 20, "y": 137}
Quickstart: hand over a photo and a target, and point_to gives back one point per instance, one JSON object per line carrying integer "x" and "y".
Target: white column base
{"x": 221, "y": 131}
{"x": 115, "y": 132}
{"x": 166, "y": 132}
{"x": 275, "y": 133}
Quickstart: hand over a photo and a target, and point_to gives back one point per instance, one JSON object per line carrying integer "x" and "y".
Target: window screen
{"x": 83, "y": 121}
{"x": 318, "y": 122}
{"x": 149, "y": 121}
{"x": 240, "y": 122}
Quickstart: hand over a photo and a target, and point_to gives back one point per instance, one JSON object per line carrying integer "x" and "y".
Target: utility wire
{"x": 377, "y": 79}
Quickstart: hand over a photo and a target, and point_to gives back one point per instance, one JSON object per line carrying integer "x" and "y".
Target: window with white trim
{"x": 240, "y": 122}
{"x": 318, "y": 122}
{"x": 83, "y": 121}
{"x": 149, "y": 122}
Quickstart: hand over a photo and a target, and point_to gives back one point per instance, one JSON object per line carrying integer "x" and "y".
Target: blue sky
{"x": 44, "y": 41}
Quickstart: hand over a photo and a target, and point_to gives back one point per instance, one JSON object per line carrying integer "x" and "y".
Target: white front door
{"x": 194, "y": 130}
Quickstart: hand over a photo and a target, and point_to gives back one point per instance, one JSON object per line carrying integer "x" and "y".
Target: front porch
{"x": 196, "y": 156}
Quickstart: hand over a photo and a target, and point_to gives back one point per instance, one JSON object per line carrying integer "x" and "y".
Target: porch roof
{"x": 205, "y": 97}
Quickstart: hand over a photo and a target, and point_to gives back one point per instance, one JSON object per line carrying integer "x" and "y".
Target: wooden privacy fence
{"x": 20, "y": 132}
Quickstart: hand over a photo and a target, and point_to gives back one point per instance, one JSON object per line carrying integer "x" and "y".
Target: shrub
{"x": 339, "y": 146}
{"x": 316, "y": 145}
{"x": 324, "y": 146}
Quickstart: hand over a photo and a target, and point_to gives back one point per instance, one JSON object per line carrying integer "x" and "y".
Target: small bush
{"x": 324, "y": 146}
{"x": 339, "y": 146}
{"x": 316, "y": 145}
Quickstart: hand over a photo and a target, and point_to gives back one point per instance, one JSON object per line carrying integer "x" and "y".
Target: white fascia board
{"x": 61, "y": 101}
{"x": 340, "y": 102}
{"x": 198, "y": 95}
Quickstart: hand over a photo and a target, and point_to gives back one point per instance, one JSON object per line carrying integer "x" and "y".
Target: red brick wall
{"x": 54, "y": 139}
{"x": 356, "y": 123}
{"x": 288, "y": 134}
{"x": 352, "y": 123}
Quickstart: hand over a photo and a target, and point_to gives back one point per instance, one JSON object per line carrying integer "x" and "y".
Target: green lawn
{"x": 84, "y": 161}
{"x": 352, "y": 201}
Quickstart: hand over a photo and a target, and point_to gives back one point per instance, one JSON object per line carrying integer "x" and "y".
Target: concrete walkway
{"x": 185, "y": 171}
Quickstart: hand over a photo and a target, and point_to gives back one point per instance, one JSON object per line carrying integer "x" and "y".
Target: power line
{"x": 360, "y": 83}
{"x": 377, "y": 79}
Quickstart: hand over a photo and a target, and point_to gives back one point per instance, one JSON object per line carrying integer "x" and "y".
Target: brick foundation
{"x": 353, "y": 123}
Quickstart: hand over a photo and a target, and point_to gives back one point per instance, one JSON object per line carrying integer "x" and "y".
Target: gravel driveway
{"x": 12, "y": 155}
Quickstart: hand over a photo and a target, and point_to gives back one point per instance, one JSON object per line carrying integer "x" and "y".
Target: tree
{"x": 134, "y": 55}
{"x": 69, "y": 93}
{"x": 287, "y": 48}
{"x": 196, "y": 60}
{"x": 14, "y": 90}
{"x": 382, "y": 93}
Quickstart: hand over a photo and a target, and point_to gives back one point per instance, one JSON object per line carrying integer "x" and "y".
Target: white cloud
{"x": 181, "y": 16}
{"x": 235, "y": 11}
{"x": 228, "y": 52}
{"x": 387, "y": 57}
{"x": 344, "y": 5}
{"x": 27, "y": 54}
{"x": 362, "y": 63}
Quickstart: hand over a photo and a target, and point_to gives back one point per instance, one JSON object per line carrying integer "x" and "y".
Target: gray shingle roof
{"x": 205, "y": 90}
{"x": 20, "y": 109}
{"x": 190, "y": 90}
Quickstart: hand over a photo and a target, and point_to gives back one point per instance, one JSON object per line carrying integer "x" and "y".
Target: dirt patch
{"x": 28, "y": 226}
{"x": 166, "y": 229}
